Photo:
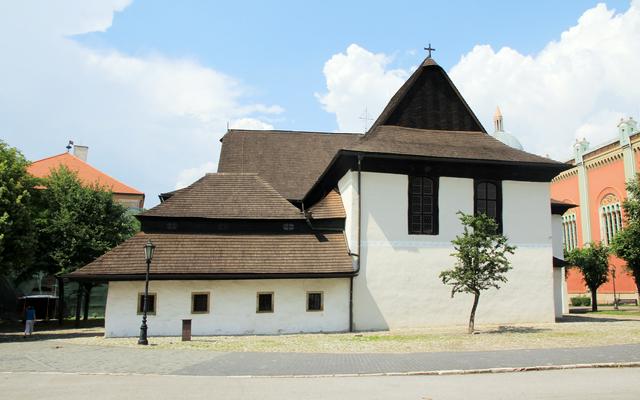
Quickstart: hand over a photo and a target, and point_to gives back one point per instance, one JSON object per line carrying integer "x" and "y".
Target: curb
{"x": 501, "y": 370}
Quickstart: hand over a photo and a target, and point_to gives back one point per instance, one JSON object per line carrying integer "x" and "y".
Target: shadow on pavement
{"x": 12, "y": 331}
{"x": 589, "y": 318}
{"x": 515, "y": 329}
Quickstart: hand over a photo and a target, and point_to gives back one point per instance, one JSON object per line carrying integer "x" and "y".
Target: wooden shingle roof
{"x": 329, "y": 207}
{"x": 443, "y": 144}
{"x": 290, "y": 161}
{"x": 207, "y": 256}
{"x": 226, "y": 196}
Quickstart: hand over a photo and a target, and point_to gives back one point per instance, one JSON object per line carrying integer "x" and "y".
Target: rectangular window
{"x": 200, "y": 303}
{"x": 151, "y": 303}
{"x": 315, "y": 301}
{"x": 569, "y": 232}
{"x": 423, "y": 205}
{"x": 488, "y": 200}
{"x": 610, "y": 221}
{"x": 265, "y": 302}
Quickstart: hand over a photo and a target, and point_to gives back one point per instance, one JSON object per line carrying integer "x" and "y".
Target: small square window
{"x": 265, "y": 303}
{"x": 200, "y": 303}
{"x": 315, "y": 301}
{"x": 151, "y": 303}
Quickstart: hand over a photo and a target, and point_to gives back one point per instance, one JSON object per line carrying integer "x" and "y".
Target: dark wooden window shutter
{"x": 423, "y": 205}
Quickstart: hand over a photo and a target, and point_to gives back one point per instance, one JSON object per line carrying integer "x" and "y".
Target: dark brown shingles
{"x": 227, "y": 196}
{"x": 443, "y": 144}
{"x": 329, "y": 207}
{"x": 204, "y": 254}
{"x": 290, "y": 161}
{"x": 428, "y": 100}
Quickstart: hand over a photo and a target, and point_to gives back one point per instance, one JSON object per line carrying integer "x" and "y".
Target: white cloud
{"x": 357, "y": 80}
{"x": 147, "y": 119}
{"x": 250, "y": 123}
{"x": 577, "y": 86}
{"x": 187, "y": 176}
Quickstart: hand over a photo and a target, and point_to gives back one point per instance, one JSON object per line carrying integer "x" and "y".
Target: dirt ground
{"x": 573, "y": 331}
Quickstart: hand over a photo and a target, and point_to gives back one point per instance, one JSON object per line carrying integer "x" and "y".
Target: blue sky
{"x": 279, "y": 47}
{"x": 150, "y": 86}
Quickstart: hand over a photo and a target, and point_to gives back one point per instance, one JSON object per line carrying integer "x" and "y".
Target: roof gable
{"x": 429, "y": 100}
{"x": 86, "y": 173}
{"x": 227, "y": 196}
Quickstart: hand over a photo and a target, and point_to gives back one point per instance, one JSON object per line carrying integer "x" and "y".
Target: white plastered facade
{"x": 398, "y": 284}
{"x": 232, "y": 308}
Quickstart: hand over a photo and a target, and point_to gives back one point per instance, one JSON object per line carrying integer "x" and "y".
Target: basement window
{"x": 315, "y": 301}
{"x": 200, "y": 303}
{"x": 151, "y": 303}
{"x": 264, "y": 302}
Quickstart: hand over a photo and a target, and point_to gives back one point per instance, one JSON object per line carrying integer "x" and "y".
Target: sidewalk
{"x": 56, "y": 356}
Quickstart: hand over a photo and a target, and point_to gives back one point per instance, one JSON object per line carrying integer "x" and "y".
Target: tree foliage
{"x": 626, "y": 243}
{"x": 16, "y": 228}
{"x": 482, "y": 261}
{"x": 593, "y": 262}
{"x": 77, "y": 223}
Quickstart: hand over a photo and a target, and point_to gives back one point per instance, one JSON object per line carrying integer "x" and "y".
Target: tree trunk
{"x": 594, "y": 299}
{"x": 87, "y": 300}
{"x": 472, "y": 317}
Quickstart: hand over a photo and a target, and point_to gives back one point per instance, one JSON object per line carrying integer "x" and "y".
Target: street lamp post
{"x": 148, "y": 252}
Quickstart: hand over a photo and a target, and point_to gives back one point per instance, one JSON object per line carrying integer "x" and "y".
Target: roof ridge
{"x": 290, "y": 132}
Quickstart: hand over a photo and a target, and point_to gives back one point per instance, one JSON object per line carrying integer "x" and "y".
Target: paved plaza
{"x": 58, "y": 356}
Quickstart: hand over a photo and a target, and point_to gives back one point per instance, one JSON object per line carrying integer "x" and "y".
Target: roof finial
{"x": 429, "y": 49}
{"x": 69, "y": 145}
{"x": 365, "y": 118}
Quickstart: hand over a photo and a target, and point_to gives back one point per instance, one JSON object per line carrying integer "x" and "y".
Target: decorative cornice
{"x": 605, "y": 159}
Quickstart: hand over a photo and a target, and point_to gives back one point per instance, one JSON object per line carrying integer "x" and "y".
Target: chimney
{"x": 81, "y": 152}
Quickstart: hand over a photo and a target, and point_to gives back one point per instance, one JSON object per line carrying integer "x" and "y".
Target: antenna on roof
{"x": 365, "y": 118}
{"x": 227, "y": 126}
{"x": 70, "y": 145}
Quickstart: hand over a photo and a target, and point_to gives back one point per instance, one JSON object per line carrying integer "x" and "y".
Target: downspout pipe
{"x": 357, "y": 270}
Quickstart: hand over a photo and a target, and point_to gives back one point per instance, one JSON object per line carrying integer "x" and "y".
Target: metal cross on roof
{"x": 429, "y": 49}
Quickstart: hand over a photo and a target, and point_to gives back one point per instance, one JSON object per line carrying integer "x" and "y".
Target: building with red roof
{"x": 129, "y": 197}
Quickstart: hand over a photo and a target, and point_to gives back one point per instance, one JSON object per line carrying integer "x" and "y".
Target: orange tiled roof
{"x": 86, "y": 173}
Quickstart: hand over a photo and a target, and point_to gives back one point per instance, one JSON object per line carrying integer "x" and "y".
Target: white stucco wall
{"x": 348, "y": 187}
{"x": 232, "y": 307}
{"x": 398, "y": 285}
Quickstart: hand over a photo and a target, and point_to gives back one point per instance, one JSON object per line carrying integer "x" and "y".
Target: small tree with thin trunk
{"x": 482, "y": 262}
{"x": 593, "y": 262}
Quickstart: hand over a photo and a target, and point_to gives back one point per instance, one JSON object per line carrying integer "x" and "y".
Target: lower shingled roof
{"x": 211, "y": 256}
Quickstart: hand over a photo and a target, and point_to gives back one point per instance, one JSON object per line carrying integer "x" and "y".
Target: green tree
{"x": 77, "y": 223}
{"x": 16, "y": 228}
{"x": 626, "y": 244}
{"x": 593, "y": 262}
{"x": 482, "y": 261}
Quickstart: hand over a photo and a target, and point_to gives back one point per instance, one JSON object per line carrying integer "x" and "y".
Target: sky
{"x": 151, "y": 85}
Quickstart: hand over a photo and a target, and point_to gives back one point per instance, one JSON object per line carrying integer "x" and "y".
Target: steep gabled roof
{"x": 290, "y": 161}
{"x": 86, "y": 173}
{"x": 207, "y": 256}
{"x": 429, "y": 100}
{"x": 226, "y": 196}
{"x": 329, "y": 207}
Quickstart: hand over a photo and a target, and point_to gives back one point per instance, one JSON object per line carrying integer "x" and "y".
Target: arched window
{"x": 569, "y": 231}
{"x": 423, "y": 205}
{"x": 610, "y": 218}
{"x": 488, "y": 200}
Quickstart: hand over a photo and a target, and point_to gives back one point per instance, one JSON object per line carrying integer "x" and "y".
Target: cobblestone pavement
{"x": 56, "y": 356}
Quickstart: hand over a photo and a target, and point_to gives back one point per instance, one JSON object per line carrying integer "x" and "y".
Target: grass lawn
{"x": 635, "y": 312}
{"x": 593, "y": 329}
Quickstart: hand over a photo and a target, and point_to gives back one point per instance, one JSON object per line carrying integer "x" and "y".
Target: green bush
{"x": 580, "y": 301}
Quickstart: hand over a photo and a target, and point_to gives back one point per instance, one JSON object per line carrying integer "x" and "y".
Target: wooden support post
{"x": 60, "y": 308}
{"x": 87, "y": 300}
{"x": 78, "y": 303}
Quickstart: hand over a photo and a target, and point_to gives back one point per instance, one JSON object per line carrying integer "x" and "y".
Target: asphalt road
{"x": 54, "y": 356}
{"x": 583, "y": 384}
